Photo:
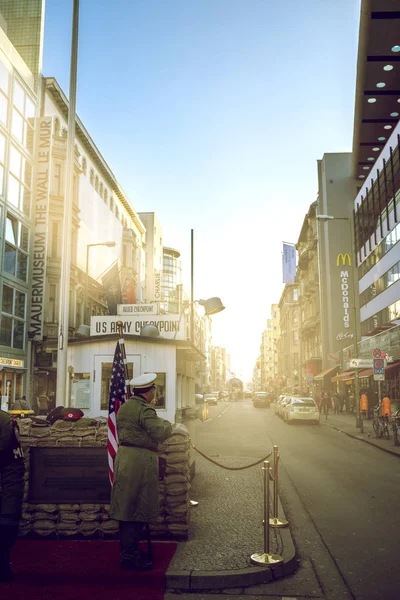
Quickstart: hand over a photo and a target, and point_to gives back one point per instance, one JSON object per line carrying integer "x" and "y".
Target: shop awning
{"x": 347, "y": 376}
{"x": 366, "y": 373}
{"x": 323, "y": 373}
{"x": 392, "y": 366}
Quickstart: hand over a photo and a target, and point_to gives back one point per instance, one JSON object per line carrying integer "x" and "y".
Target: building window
{"x": 52, "y": 303}
{"x": 12, "y": 329}
{"x": 23, "y": 113}
{"x": 91, "y": 177}
{"x": 19, "y": 181}
{"x": 2, "y": 159}
{"x": 84, "y": 165}
{"x": 96, "y": 183}
{"x": 111, "y": 204}
{"x": 4, "y": 92}
{"x": 295, "y": 294}
{"x": 105, "y": 198}
{"x": 57, "y": 180}
{"x": 116, "y": 212}
{"x": 16, "y": 248}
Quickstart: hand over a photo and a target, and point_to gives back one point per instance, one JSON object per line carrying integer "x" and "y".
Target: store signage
{"x": 44, "y": 135}
{"x": 157, "y": 285}
{"x": 344, "y": 286}
{"x": 11, "y": 362}
{"x": 169, "y": 326}
{"x": 137, "y": 309}
{"x": 361, "y": 363}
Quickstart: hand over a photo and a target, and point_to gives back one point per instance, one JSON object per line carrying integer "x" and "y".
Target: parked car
{"x": 302, "y": 409}
{"x": 210, "y": 399}
{"x": 282, "y": 405}
{"x": 261, "y": 400}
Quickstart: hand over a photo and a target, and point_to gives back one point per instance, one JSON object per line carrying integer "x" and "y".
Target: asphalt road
{"x": 341, "y": 497}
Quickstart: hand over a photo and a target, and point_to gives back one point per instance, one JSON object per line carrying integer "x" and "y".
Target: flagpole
{"x": 64, "y": 291}
{"x": 125, "y": 360}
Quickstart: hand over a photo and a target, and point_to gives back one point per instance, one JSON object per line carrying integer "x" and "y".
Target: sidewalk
{"x": 225, "y": 533}
{"x": 347, "y": 424}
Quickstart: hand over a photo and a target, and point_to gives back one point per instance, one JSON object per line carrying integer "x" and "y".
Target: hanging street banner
{"x": 288, "y": 263}
{"x": 41, "y": 199}
{"x": 168, "y": 325}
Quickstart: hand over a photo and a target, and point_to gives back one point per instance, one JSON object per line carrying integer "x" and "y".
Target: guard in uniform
{"x": 12, "y": 470}
{"x": 134, "y": 496}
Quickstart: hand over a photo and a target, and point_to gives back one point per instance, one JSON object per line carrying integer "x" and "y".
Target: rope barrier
{"x": 230, "y": 468}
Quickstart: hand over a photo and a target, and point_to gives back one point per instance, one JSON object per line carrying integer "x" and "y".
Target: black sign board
{"x": 68, "y": 476}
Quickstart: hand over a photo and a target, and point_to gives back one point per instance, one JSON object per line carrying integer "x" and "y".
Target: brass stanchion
{"x": 275, "y": 521}
{"x": 265, "y": 558}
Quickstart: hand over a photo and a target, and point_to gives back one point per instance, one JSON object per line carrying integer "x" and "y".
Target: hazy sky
{"x": 213, "y": 113}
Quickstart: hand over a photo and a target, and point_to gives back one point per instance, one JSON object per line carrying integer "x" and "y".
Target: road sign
{"x": 361, "y": 363}
{"x": 376, "y": 353}
{"x": 379, "y": 369}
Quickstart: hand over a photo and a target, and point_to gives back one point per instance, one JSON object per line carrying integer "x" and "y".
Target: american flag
{"x": 117, "y": 397}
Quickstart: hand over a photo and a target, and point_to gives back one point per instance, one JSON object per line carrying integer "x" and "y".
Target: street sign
{"x": 376, "y": 353}
{"x": 361, "y": 363}
{"x": 379, "y": 369}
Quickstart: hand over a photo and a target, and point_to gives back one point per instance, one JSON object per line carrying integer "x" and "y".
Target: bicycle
{"x": 380, "y": 424}
{"x": 396, "y": 428}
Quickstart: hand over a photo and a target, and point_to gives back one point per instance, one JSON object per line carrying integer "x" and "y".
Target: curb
{"x": 197, "y": 581}
{"x": 357, "y": 437}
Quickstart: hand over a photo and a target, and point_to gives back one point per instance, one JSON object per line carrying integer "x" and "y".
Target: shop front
{"x": 12, "y": 372}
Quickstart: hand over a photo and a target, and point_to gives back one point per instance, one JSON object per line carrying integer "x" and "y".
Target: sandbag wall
{"x": 93, "y": 520}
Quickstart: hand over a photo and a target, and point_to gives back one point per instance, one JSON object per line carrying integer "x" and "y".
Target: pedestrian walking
{"x": 336, "y": 403}
{"x": 134, "y": 496}
{"x": 327, "y": 403}
{"x": 12, "y": 470}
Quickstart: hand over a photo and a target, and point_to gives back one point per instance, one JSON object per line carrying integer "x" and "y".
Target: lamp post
{"x": 85, "y": 298}
{"x": 211, "y": 307}
{"x": 324, "y": 219}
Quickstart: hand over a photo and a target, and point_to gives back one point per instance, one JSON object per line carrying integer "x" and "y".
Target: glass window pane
{"x": 12, "y": 230}
{"x": 22, "y": 266}
{"x": 2, "y": 147}
{"x": 1, "y": 180}
{"x": 29, "y": 108}
{"x": 5, "y": 331}
{"x": 13, "y": 191}
{"x": 27, "y": 173}
{"x": 24, "y": 238}
{"x": 10, "y": 257}
{"x": 26, "y": 201}
{"x": 7, "y": 304}
{"x": 19, "y": 309}
{"x": 4, "y": 78}
{"x": 3, "y": 108}
{"x": 29, "y": 138}
{"x": 19, "y": 333}
{"x": 17, "y": 125}
{"x": 15, "y": 162}
{"x": 19, "y": 97}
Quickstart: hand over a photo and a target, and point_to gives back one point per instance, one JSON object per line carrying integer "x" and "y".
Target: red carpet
{"x": 82, "y": 570}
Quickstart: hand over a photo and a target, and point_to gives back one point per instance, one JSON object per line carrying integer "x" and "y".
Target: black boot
{"x": 139, "y": 562}
{"x": 8, "y": 535}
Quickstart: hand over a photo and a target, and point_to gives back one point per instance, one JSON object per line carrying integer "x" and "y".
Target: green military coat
{"x": 134, "y": 495}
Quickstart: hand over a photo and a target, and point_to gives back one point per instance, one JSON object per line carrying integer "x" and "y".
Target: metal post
{"x": 275, "y": 521}
{"x": 265, "y": 558}
{"x": 191, "y": 289}
{"x": 356, "y": 329}
{"x": 379, "y": 393}
{"x": 63, "y": 318}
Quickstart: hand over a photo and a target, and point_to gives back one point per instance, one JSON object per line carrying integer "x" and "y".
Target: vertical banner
{"x": 289, "y": 263}
{"x": 112, "y": 288}
{"x": 41, "y": 199}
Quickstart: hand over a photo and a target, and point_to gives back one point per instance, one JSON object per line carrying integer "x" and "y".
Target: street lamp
{"x": 212, "y": 306}
{"x": 324, "y": 219}
{"x": 85, "y": 298}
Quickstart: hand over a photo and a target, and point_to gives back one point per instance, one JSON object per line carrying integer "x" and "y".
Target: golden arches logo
{"x": 343, "y": 258}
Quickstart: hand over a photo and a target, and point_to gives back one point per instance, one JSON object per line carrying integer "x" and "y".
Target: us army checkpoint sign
{"x": 168, "y": 325}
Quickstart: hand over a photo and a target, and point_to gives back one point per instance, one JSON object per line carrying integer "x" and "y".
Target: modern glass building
{"x": 171, "y": 282}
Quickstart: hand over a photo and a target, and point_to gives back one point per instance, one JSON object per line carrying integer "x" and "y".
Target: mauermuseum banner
{"x": 170, "y": 326}
{"x": 44, "y": 136}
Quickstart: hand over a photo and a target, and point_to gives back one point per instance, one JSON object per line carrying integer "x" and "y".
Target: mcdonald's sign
{"x": 343, "y": 258}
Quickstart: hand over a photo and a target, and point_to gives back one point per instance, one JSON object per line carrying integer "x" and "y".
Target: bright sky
{"x": 213, "y": 113}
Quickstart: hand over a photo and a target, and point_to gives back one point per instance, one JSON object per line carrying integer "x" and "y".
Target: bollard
{"x": 275, "y": 521}
{"x": 265, "y": 558}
